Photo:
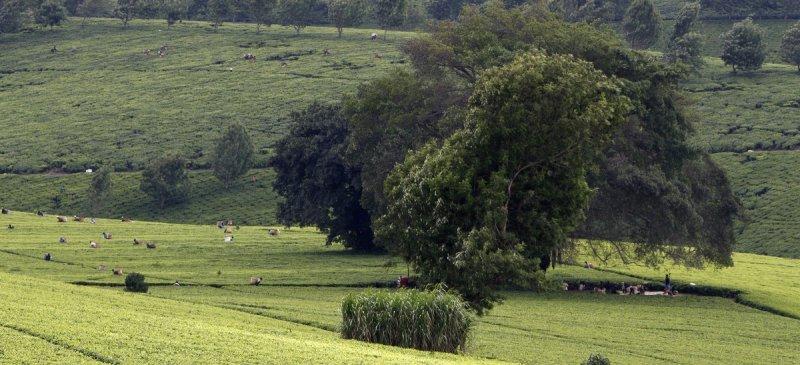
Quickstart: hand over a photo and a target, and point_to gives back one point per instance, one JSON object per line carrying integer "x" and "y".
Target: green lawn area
{"x": 305, "y": 281}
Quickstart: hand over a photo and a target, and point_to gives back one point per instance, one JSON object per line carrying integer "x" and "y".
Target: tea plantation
{"x": 101, "y": 100}
{"x": 298, "y": 303}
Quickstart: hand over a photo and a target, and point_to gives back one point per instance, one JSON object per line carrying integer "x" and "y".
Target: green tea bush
{"x": 134, "y": 282}
{"x": 424, "y": 320}
{"x": 597, "y": 359}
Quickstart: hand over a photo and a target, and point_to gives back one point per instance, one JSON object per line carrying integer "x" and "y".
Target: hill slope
{"x": 118, "y": 327}
{"x": 101, "y": 99}
{"x": 305, "y": 281}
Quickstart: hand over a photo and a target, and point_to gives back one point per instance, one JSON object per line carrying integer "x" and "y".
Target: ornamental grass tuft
{"x": 425, "y": 320}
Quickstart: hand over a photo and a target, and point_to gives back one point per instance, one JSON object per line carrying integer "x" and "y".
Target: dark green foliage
{"x": 346, "y": 13}
{"x": 218, "y": 10}
{"x": 50, "y": 13}
{"x": 790, "y": 45}
{"x": 11, "y": 15}
{"x": 447, "y": 9}
{"x": 95, "y": 8}
{"x": 99, "y": 190}
{"x": 166, "y": 181}
{"x": 262, "y": 11}
{"x": 685, "y": 22}
{"x": 233, "y": 155}
{"x": 424, "y": 320}
{"x": 173, "y": 10}
{"x": 389, "y": 13}
{"x": 597, "y": 359}
{"x": 642, "y": 24}
{"x": 126, "y": 10}
{"x": 390, "y": 116}
{"x": 687, "y": 49}
{"x": 299, "y": 13}
{"x": 318, "y": 186}
{"x": 509, "y": 187}
{"x": 589, "y": 10}
{"x": 652, "y": 142}
{"x": 685, "y": 45}
{"x": 134, "y": 282}
{"x": 743, "y": 47}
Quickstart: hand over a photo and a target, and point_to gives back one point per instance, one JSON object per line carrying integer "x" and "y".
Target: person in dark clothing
{"x": 667, "y": 285}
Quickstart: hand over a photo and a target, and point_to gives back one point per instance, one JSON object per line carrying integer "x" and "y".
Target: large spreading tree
{"x": 651, "y": 189}
{"x": 650, "y": 162}
{"x": 511, "y": 185}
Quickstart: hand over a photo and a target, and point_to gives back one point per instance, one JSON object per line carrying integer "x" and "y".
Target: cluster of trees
{"x": 513, "y": 133}
{"x": 14, "y": 14}
{"x": 166, "y": 179}
{"x": 295, "y": 13}
{"x": 743, "y": 45}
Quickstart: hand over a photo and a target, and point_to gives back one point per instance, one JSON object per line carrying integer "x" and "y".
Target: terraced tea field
{"x": 305, "y": 282}
{"x": 102, "y": 326}
{"x": 101, "y": 99}
{"x": 250, "y": 200}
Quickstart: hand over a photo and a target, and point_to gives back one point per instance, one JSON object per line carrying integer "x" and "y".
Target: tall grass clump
{"x": 424, "y": 320}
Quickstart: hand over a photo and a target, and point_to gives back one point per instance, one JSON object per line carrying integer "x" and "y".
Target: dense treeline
{"x": 477, "y": 167}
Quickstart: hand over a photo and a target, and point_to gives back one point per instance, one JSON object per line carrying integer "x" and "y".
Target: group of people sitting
{"x": 621, "y": 289}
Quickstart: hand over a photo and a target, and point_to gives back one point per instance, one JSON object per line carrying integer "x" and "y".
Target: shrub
{"x": 134, "y": 282}
{"x": 425, "y": 320}
{"x": 597, "y": 359}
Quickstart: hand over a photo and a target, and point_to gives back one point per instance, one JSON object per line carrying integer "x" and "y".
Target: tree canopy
{"x": 346, "y": 13}
{"x": 318, "y": 186}
{"x": 166, "y": 180}
{"x": 642, "y": 24}
{"x": 651, "y": 143}
{"x": 511, "y": 185}
{"x": 743, "y": 47}
{"x": 790, "y": 45}
{"x": 233, "y": 155}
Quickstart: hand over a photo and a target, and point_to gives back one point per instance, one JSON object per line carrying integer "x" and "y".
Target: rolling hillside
{"x": 100, "y": 99}
{"x": 298, "y": 306}
{"x": 102, "y": 326}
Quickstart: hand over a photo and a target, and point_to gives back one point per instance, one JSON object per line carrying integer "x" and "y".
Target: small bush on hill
{"x": 134, "y": 282}
{"x": 425, "y": 320}
{"x": 597, "y": 359}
